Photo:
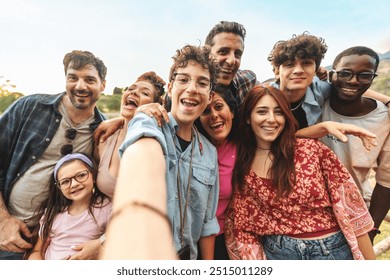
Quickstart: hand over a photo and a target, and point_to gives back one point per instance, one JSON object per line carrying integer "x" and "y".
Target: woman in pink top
{"x": 217, "y": 123}
{"x": 292, "y": 199}
{"x": 75, "y": 212}
{"x": 148, "y": 88}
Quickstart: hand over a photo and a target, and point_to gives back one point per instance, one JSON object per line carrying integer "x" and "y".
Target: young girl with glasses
{"x": 75, "y": 212}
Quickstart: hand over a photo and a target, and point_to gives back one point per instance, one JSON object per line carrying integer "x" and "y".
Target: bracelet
{"x": 141, "y": 204}
{"x": 387, "y": 103}
{"x": 375, "y": 230}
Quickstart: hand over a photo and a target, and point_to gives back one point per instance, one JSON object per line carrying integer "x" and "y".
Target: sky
{"x": 134, "y": 36}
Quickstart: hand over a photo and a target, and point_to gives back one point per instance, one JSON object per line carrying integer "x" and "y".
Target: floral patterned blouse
{"x": 324, "y": 197}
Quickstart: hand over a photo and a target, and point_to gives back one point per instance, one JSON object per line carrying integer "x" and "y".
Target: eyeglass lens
{"x": 363, "y": 77}
{"x": 80, "y": 177}
{"x": 183, "y": 81}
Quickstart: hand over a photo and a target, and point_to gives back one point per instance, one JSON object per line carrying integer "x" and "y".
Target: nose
{"x": 298, "y": 68}
{"x": 71, "y": 182}
{"x": 354, "y": 80}
{"x": 134, "y": 92}
{"x": 80, "y": 84}
{"x": 271, "y": 117}
{"x": 192, "y": 87}
{"x": 230, "y": 58}
{"x": 213, "y": 114}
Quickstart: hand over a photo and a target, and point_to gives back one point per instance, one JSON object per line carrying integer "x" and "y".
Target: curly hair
{"x": 79, "y": 59}
{"x": 156, "y": 81}
{"x": 301, "y": 46}
{"x": 201, "y": 55}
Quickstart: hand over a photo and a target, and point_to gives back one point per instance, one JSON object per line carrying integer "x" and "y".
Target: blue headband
{"x": 69, "y": 157}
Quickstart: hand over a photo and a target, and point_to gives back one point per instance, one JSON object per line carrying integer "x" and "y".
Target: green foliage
{"x": 109, "y": 103}
{"x": 117, "y": 90}
{"x": 7, "y": 99}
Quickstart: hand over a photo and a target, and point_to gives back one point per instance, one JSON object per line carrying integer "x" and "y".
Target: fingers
{"x": 154, "y": 110}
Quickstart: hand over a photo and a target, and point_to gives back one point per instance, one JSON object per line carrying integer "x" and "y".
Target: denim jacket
{"x": 27, "y": 127}
{"x": 201, "y": 218}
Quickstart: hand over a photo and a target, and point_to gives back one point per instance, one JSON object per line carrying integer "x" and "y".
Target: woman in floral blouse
{"x": 293, "y": 199}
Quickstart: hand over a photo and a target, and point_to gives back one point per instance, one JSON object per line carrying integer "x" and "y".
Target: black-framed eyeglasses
{"x": 80, "y": 177}
{"x": 362, "y": 77}
{"x": 70, "y": 134}
{"x": 183, "y": 81}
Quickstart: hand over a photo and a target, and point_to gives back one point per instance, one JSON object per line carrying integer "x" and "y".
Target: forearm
{"x": 141, "y": 180}
{"x": 365, "y": 247}
{"x": 377, "y": 96}
{"x": 206, "y": 245}
{"x": 315, "y": 131}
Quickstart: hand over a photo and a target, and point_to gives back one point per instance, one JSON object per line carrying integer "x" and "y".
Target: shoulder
{"x": 310, "y": 145}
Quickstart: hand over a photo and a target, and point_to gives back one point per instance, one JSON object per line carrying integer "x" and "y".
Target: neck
{"x": 263, "y": 149}
{"x": 294, "y": 95}
{"x": 358, "y": 107}
{"x": 76, "y": 115}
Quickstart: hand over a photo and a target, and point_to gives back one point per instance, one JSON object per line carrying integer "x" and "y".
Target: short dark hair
{"x": 79, "y": 59}
{"x": 225, "y": 27}
{"x": 302, "y": 46}
{"x": 359, "y": 50}
{"x": 156, "y": 81}
{"x": 201, "y": 55}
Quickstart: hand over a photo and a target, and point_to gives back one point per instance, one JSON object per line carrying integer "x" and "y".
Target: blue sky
{"x": 133, "y": 37}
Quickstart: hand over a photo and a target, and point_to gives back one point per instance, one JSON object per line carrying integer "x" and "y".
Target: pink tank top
{"x": 105, "y": 181}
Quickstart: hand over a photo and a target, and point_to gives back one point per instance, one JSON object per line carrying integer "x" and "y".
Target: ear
{"x": 211, "y": 95}
{"x": 169, "y": 90}
{"x": 276, "y": 72}
{"x": 103, "y": 86}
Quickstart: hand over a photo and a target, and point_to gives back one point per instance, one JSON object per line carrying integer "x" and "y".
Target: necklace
{"x": 299, "y": 105}
{"x": 261, "y": 149}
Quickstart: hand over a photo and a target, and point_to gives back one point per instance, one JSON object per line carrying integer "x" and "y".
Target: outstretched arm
{"x": 140, "y": 195}
{"x": 339, "y": 130}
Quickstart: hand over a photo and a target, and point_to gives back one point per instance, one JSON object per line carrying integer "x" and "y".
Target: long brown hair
{"x": 282, "y": 149}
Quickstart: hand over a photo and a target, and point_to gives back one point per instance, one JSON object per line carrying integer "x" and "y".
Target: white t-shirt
{"x": 354, "y": 156}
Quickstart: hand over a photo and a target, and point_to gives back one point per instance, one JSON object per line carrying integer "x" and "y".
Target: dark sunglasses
{"x": 70, "y": 134}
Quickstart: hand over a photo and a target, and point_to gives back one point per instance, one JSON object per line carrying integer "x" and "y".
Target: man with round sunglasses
{"x": 352, "y": 74}
{"x": 37, "y": 130}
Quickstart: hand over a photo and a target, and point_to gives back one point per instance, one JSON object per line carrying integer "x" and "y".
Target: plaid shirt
{"x": 27, "y": 128}
{"x": 242, "y": 83}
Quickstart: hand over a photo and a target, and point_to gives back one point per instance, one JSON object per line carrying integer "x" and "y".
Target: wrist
{"x": 387, "y": 103}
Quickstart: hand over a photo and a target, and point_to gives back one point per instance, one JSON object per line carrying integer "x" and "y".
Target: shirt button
{"x": 47, "y": 139}
{"x": 33, "y": 157}
{"x": 57, "y": 120}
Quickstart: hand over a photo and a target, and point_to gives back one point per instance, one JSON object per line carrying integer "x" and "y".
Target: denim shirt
{"x": 201, "y": 218}
{"x": 27, "y": 127}
{"x": 315, "y": 97}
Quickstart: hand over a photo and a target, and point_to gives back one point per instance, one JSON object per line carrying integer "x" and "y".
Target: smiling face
{"x": 137, "y": 94}
{"x": 267, "y": 121}
{"x": 295, "y": 77}
{"x": 78, "y": 192}
{"x": 217, "y": 120}
{"x": 352, "y": 90}
{"x": 83, "y": 86}
{"x": 227, "y": 49}
{"x": 189, "y": 103}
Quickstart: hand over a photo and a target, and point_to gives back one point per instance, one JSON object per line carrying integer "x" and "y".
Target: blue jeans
{"x": 11, "y": 256}
{"x": 282, "y": 247}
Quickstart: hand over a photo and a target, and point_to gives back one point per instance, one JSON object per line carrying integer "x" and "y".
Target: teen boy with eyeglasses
{"x": 36, "y": 131}
{"x": 353, "y": 73}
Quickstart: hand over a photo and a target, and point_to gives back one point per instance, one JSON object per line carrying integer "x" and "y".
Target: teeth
{"x": 189, "y": 102}
{"x": 216, "y": 125}
{"x": 269, "y": 128}
{"x": 130, "y": 101}
{"x": 349, "y": 90}
{"x": 226, "y": 71}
